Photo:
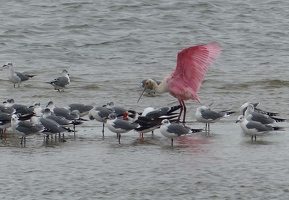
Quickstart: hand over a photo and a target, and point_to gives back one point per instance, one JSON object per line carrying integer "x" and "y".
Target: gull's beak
{"x": 145, "y": 87}
{"x": 211, "y": 104}
{"x": 4, "y": 65}
{"x": 237, "y": 121}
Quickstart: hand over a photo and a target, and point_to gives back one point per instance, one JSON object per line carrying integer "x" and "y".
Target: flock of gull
{"x": 183, "y": 84}
{"x": 51, "y": 120}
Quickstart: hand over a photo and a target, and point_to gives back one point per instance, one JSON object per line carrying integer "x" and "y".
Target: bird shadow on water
{"x": 129, "y": 141}
{"x": 192, "y": 143}
{"x": 29, "y": 142}
{"x": 260, "y": 141}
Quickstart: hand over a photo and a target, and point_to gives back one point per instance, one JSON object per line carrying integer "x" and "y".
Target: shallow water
{"x": 108, "y": 47}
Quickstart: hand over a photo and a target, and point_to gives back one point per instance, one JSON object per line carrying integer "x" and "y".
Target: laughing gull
{"x": 16, "y": 77}
{"x": 8, "y": 110}
{"x": 61, "y": 82}
{"x": 119, "y": 126}
{"x": 63, "y": 112}
{"x": 37, "y": 109}
{"x": 252, "y": 115}
{"x": 65, "y": 123}
{"x": 172, "y": 130}
{"x": 19, "y": 108}
{"x": 116, "y": 109}
{"x": 204, "y": 114}
{"x": 24, "y": 128}
{"x": 100, "y": 114}
{"x": 255, "y": 128}
{"x": 50, "y": 126}
{"x": 5, "y": 122}
{"x": 83, "y": 109}
{"x": 245, "y": 106}
{"x": 58, "y": 119}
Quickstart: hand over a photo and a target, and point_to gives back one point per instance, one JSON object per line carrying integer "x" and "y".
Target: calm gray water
{"x": 108, "y": 47}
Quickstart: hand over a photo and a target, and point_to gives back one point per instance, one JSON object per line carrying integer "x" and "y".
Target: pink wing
{"x": 192, "y": 65}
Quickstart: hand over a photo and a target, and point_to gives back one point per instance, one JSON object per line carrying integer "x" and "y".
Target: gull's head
{"x": 9, "y": 102}
{"x": 8, "y": 64}
{"x": 250, "y": 107}
{"x": 165, "y": 122}
{"x": 110, "y": 104}
{"x": 244, "y": 108}
{"x": 240, "y": 118}
{"x": 14, "y": 118}
{"x": 47, "y": 111}
{"x": 36, "y": 104}
{"x": 50, "y": 105}
{"x": 112, "y": 116}
{"x": 65, "y": 72}
{"x": 202, "y": 108}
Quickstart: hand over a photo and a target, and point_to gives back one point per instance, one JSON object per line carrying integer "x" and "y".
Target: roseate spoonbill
{"x": 149, "y": 90}
{"x": 254, "y": 128}
{"x": 16, "y": 77}
{"x": 172, "y": 131}
{"x": 184, "y": 83}
{"x": 204, "y": 114}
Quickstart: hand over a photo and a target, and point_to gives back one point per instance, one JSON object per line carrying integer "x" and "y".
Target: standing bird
{"x": 24, "y": 128}
{"x": 245, "y": 106}
{"x": 175, "y": 130}
{"x": 61, "y": 82}
{"x": 50, "y": 126}
{"x": 149, "y": 91}
{"x": 16, "y": 77}
{"x": 252, "y": 115}
{"x": 185, "y": 81}
{"x": 83, "y": 109}
{"x": 100, "y": 114}
{"x": 204, "y": 114}
{"x": 255, "y": 128}
{"x": 119, "y": 126}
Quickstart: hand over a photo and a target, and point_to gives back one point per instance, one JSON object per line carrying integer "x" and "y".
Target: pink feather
{"x": 192, "y": 65}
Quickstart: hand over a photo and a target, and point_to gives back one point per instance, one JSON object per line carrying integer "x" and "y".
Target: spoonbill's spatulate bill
{"x": 184, "y": 83}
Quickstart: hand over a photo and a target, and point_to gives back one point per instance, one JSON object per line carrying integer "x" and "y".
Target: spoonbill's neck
{"x": 161, "y": 88}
